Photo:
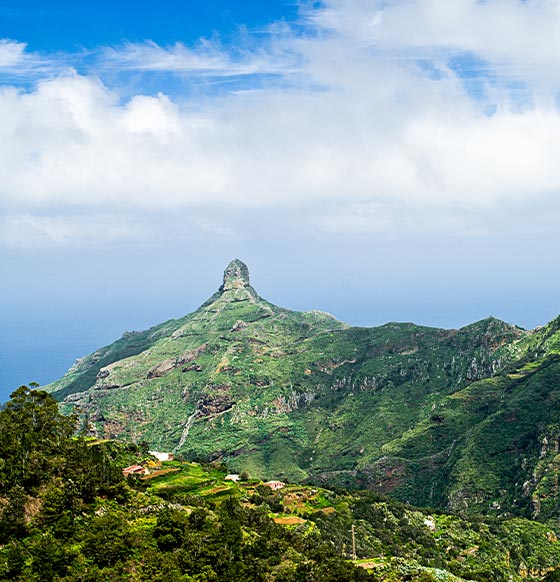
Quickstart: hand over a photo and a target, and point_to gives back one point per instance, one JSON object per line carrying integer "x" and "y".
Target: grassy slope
{"x": 412, "y": 411}
{"x": 393, "y": 540}
{"x": 495, "y": 443}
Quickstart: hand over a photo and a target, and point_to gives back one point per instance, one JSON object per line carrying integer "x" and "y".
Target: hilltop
{"x": 458, "y": 419}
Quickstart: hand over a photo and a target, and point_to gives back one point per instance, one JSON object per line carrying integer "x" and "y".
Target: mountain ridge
{"x": 304, "y": 397}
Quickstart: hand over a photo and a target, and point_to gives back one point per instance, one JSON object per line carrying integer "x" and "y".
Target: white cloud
{"x": 360, "y": 133}
{"x": 11, "y": 53}
{"x": 99, "y": 230}
{"x": 17, "y": 63}
{"x": 149, "y": 56}
{"x": 517, "y": 39}
{"x": 503, "y": 29}
{"x": 206, "y": 59}
{"x": 157, "y": 116}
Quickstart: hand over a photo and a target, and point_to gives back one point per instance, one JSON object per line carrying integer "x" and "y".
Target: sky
{"x": 382, "y": 160}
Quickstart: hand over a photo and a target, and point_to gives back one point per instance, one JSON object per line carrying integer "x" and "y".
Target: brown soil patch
{"x": 32, "y": 508}
{"x": 290, "y": 520}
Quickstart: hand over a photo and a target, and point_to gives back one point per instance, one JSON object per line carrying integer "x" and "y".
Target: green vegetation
{"x": 464, "y": 420}
{"x": 67, "y": 514}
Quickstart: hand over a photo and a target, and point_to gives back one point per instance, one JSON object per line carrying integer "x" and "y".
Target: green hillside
{"x": 67, "y": 514}
{"x": 460, "y": 419}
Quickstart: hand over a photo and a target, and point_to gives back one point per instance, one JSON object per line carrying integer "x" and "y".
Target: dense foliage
{"x": 67, "y": 514}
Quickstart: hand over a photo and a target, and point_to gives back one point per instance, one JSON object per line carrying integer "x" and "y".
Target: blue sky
{"x": 378, "y": 160}
{"x": 66, "y": 26}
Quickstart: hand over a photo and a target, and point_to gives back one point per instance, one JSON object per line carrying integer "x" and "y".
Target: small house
{"x": 234, "y": 478}
{"x": 134, "y": 470}
{"x": 162, "y": 456}
{"x": 275, "y": 485}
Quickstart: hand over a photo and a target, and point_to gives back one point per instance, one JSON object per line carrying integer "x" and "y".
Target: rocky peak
{"x": 236, "y": 276}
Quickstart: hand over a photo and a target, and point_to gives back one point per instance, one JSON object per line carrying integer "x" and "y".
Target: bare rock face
{"x": 162, "y": 368}
{"x": 189, "y": 357}
{"x": 193, "y": 368}
{"x": 236, "y": 276}
{"x": 217, "y": 400}
{"x": 239, "y": 325}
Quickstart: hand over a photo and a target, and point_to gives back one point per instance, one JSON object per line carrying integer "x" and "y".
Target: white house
{"x": 274, "y": 485}
{"x": 162, "y": 456}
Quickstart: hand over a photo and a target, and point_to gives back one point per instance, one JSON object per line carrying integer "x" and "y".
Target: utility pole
{"x": 353, "y": 542}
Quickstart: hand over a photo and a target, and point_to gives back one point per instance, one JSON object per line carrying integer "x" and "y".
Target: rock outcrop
{"x": 236, "y": 276}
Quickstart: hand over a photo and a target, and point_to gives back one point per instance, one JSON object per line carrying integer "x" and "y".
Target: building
{"x": 275, "y": 485}
{"x": 162, "y": 456}
{"x": 234, "y": 478}
{"x": 134, "y": 470}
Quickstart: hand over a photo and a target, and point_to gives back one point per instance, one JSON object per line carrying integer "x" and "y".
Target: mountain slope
{"x": 400, "y": 408}
{"x": 68, "y": 514}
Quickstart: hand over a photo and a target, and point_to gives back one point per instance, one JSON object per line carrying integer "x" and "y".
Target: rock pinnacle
{"x": 236, "y": 276}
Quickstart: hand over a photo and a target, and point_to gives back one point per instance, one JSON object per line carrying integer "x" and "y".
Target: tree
{"x": 50, "y": 558}
{"x": 108, "y": 539}
{"x": 33, "y": 434}
{"x": 12, "y": 518}
{"x": 170, "y": 528}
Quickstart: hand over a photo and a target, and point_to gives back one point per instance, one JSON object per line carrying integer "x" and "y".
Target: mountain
{"x": 466, "y": 420}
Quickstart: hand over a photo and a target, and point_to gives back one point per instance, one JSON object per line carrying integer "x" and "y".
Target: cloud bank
{"x": 398, "y": 118}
